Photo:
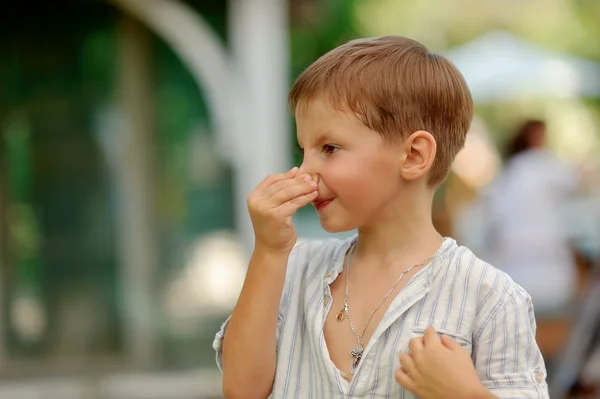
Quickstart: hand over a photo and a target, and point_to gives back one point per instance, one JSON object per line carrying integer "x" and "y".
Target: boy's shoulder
{"x": 464, "y": 262}
{"x": 488, "y": 288}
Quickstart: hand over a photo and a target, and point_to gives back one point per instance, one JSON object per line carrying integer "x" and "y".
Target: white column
{"x": 259, "y": 35}
{"x": 136, "y": 195}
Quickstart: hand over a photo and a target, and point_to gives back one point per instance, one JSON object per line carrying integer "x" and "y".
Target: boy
{"x": 380, "y": 121}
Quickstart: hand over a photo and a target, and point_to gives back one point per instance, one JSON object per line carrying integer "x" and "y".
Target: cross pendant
{"x": 356, "y": 353}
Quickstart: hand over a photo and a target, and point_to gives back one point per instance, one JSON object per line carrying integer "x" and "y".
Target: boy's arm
{"x": 248, "y": 347}
{"x": 249, "y": 344}
{"x": 507, "y": 357}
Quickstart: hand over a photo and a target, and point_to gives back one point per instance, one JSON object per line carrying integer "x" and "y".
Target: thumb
{"x": 450, "y": 343}
{"x": 292, "y": 172}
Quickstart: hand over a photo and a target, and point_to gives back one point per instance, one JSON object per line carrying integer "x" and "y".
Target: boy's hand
{"x": 439, "y": 368}
{"x": 272, "y": 204}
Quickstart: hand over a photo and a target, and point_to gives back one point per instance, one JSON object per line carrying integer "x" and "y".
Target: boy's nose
{"x": 305, "y": 170}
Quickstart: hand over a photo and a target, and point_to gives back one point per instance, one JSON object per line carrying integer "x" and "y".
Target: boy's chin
{"x": 332, "y": 227}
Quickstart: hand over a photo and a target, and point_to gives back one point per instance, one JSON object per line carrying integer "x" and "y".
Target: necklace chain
{"x": 357, "y": 352}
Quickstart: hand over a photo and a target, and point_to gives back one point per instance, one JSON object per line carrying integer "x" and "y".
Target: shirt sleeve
{"x": 507, "y": 358}
{"x": 218, "y": 341}
{"x": 218, "y": 344}
{"x": 299, "y": 252}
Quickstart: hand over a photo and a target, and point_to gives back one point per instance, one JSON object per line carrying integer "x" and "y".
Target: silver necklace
{"x": 357, "y": 352}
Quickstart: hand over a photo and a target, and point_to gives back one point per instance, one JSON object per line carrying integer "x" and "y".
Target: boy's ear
{"x": 419, "y": 153}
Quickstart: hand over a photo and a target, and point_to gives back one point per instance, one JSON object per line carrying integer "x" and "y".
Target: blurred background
{"x": 131, "y": 132}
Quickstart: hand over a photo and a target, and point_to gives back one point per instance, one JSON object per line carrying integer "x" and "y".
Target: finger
{"x": 431, "y": 337}
{"x": 450, "y": 343}
{"x": 408, "y": 364}
{"x": 290, "y": 207}
{"x": 290, "y": 193}
{"x": 269, "y": 180}
{"x": 405, "y": 381}
{"x": 276, "y": 187}
{"x": 292, "y": 172}
{"x": 416, "y": 345}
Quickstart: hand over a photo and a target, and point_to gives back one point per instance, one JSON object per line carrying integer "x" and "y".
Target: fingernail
{"x": 295, "y": 168}
{"x": 307, "y": 178}
{"x": 313, "y": 184}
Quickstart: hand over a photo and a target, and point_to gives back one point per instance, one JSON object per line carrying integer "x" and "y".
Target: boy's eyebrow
{"x": 319, "y": 137}
{"x": 322, "y": 135}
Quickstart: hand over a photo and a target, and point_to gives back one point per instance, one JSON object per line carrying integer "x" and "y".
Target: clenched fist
{"x": 272, "y": 204}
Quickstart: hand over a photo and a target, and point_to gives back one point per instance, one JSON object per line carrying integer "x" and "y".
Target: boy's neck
{"x": 398, "y": 240}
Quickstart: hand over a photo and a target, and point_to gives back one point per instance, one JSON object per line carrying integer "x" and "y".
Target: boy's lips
{"x": 321, "y": 203}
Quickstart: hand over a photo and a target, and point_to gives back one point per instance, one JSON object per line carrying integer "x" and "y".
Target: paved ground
{"x": 184, "y": 385}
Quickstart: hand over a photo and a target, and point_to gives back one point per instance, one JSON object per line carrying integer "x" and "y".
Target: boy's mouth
{"x": 321, "y": 203}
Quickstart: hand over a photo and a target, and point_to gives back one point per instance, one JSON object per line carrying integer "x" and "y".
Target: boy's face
{"x": 358, "y": 173}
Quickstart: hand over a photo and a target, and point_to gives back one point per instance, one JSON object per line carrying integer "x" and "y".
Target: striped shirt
{"x": 461, "y": 296}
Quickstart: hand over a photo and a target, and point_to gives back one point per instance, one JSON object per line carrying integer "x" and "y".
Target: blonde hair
{"x": 396, "y": 87}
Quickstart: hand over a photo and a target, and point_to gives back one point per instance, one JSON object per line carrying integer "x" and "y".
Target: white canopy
{"x": 499, "y": 66}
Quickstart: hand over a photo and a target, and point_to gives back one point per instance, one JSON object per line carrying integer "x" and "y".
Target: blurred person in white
{"x": 528, "y": 238}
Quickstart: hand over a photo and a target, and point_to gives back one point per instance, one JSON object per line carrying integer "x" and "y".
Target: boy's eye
{"x": 328, "y": 149}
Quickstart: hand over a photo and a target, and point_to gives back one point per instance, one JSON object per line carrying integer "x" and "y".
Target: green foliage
{"x": 565, "y": 25}
{"x": 319, "y": 26}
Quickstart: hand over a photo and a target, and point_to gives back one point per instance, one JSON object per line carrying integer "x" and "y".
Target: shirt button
{"x": 328, "y": 275}
{"x": 325, "y": 301}
{"x": 539, "y": 377}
